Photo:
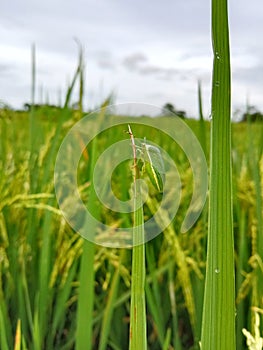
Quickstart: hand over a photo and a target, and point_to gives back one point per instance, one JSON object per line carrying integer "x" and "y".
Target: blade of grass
{"x": 241, "y": 263}
{"x": 153, "y": 296}
{"x": 175, "y": 328}
{"x": 17, "y": 345}
{"x": 254, "y": 157}
{"x": 44, "y": 276}
{"x": 218, "y": 326}
{"x": 166, "y": 344}
{"x": 3, "y": 336}
{"x": 36, "y": 331}
{"x": 61, "y": 300}
{"x": 107, "y": 318}
{"x": 138, "y": 337}
{"x": 73, "y": 82}
{"x": 81, "y": 79}
{"x": 86, "y": 278}
{"x": 85, "y": 298}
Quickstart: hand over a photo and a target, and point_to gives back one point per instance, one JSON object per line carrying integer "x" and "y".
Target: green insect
{"x": 153, "y": 165}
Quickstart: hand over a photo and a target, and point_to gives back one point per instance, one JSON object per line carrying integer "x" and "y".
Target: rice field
{"x": 111, "y": 238}
{"x": 48, "y": 270}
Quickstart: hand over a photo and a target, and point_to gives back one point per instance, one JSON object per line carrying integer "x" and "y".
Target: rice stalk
{"x": 138, "y": 336}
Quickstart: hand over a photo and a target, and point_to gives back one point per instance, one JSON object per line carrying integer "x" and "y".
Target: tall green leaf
{"x": 218, "y": 327}
{"x": 138, "y": 335}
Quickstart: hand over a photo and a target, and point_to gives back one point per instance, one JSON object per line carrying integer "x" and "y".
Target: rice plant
{"x": 138, "y": 337}
{"x": 60, "y": 292}
{"x": 218, "y": 327}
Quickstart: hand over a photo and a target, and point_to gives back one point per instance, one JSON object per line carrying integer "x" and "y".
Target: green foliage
{"x": 175, "y": 263}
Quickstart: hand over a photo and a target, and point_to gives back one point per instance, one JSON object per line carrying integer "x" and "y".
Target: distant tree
{"x": 169, "y": 108}
{"x": 252, "y": 115}
{"x": 181, "y": 114}
{"x": 28, "y": 106}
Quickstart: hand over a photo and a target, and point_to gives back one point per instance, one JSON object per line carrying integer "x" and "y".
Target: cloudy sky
{"x": 144, "y": 51}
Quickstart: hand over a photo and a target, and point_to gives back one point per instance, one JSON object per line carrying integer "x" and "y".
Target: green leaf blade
{"x": 154, "y": 166}
{"x": 218, "y": 326}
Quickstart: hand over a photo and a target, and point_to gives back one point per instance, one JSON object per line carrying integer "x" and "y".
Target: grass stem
{"x": 138, "y": 337}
